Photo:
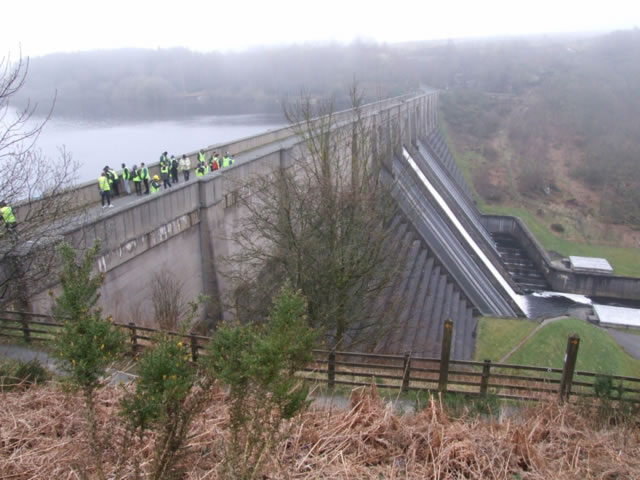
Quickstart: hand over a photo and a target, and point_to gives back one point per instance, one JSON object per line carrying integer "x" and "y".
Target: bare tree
{"x": 34, "y": 186}
{"x": 167, "y": 296}
{"x": 323, "y": 223}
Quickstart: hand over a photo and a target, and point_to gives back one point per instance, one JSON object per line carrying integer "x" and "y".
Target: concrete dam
{"x": 451, "y": 266}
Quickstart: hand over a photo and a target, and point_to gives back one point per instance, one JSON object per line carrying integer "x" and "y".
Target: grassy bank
{"x": 497, "y": 336}
{"x": 598, "y": 352}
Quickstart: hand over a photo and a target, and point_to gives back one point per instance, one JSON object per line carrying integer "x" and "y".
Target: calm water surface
{"x": 96, "y": 144}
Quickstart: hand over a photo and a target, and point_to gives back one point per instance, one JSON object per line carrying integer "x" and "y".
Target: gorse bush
{"x": 258, "y": 364}
{"x": 169, "y": 392}
{"x": 87, "y": 343}
{"x": 22, "y": 374}
{"x": 165, "y": 376}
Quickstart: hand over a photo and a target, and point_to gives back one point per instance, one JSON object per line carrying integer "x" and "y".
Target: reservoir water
{"x": 95, "y": 144}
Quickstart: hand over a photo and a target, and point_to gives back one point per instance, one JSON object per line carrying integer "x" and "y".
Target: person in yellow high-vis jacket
{"x": 8, "y": 217}
{"x": 105, "y": 190}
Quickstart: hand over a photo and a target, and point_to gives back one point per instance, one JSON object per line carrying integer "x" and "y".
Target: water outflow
{"x": 516, "y": 261}
{"x": 463, "y": 235}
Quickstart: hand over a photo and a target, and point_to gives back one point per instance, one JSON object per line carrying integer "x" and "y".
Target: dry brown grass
{"x": 42, "y": 437}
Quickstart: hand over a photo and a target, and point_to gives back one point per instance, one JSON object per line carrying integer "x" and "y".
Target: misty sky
{"x": 45, "y": 26}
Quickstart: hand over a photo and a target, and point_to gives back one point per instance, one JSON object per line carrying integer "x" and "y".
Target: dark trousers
{"x": 165, "y": 181}
{"x": 138, "y": 188}
{"x": 116, "y": 188}
{"x": 105, "y": 194}
{"x": 174, "y": 175}
{"x": 146, "y": 185}
{"x": 186, "y": 175}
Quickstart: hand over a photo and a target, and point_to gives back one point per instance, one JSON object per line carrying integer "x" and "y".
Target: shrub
{"x": 258, "y": 363}
{"x": 557, "y": 227}
{"x": 87, "y": 344}
{"x": 25, "y": 374}
{"x": 169, "y": 393}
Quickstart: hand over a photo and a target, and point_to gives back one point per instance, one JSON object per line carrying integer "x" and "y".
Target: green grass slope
{"x": 598, "y": 352}
{"x": 497, "y": 336}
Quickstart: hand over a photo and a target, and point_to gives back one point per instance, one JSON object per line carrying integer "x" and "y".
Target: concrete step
{"x": 437, "y": 310}
{"x": 459, "y": 334}
{"x": 394, "y": 246}
{"x": 470, "y": 341}
{"x": 414, "y": 261}
{"x": 416, "y": 322}
{"x": 405, "y": 244}
{"x": 423, "y": 343}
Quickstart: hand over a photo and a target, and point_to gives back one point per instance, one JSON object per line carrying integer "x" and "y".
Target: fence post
{"x": 570, "y": 357}
{"x": 134, "y": 339}
{"x": 406, "y": 369}
{"x": 484, "y": 383}
{"x": 445, "y": 355}
{"x": 194, "y": 347}
{"x": 331, "y": 370}
{"x": 24, "y": 318}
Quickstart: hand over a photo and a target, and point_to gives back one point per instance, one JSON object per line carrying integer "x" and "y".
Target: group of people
{"x": 214, "y": 163}
{"x": 109, "y": 180}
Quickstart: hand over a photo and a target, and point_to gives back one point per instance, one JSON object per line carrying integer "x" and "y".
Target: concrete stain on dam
{"x": 145, "y": 242}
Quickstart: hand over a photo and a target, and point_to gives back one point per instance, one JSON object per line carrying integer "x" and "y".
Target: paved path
{"x": 628, "y": 341}
{"x": 27, "y": 354}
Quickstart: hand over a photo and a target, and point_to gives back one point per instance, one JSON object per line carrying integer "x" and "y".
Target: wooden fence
{"x": 404, "y": 373}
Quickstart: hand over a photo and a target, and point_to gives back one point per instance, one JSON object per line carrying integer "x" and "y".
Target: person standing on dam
{"x": 215, "y": 162}
{"x": 185, "y": 166}
{"x": 227, "y": 160}
{"x": 164, "y": 173}
{"x": 126, "y": 176}
{"x": 173, "y": 168}
{"x": 105, "y": 190}
{"x": 144, "y": 175}
{"x": 135, "y": 176}
{"x": 113, "y": 180}
{"x": 200, "y": 169}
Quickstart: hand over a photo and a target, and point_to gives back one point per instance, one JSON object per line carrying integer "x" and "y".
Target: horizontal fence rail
{"x": 405, "y": 373}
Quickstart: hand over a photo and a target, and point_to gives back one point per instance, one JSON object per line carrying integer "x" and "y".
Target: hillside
{"x": 545, "y": 124}
{"x": 556, "y": 137}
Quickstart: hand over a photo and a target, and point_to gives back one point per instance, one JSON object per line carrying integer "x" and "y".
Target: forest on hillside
{"x": 137, "y": 83}
{"x": 537, "y": 117}
{"x": 554, "y": 122}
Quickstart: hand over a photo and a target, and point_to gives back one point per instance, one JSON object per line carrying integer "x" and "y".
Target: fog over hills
{"x": 543, "y": 102}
